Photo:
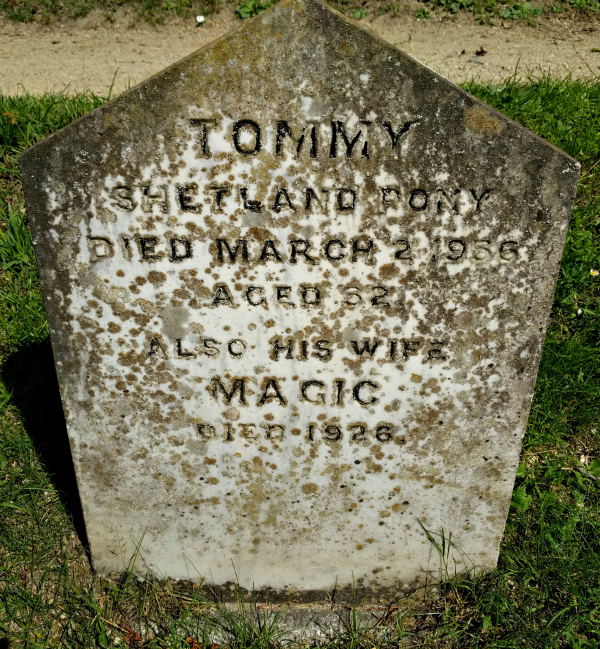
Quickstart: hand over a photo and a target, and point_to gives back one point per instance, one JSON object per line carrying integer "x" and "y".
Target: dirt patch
{"x": 461, "y": 50}
{"x": 87, "y": 54}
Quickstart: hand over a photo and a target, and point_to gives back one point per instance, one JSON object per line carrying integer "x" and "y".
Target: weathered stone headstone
{"x": 298, "y": 285}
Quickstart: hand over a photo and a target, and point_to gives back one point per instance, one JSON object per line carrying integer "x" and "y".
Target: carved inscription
{"x": 357, "y": 432}
{"x": 299, "y": 298}
{"x": 165, "y": 197}
{"x": 283, "y": 348}
{"x": 333, "y": 139}
{"x": 243, "y": 251}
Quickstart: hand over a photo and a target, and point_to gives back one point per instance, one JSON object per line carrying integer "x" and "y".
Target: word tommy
{"x": 332, "y": 139}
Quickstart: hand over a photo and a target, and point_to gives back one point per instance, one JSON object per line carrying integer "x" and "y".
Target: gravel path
{"x": 86, "y": 54}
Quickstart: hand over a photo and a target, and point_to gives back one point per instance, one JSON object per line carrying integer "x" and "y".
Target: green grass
{"x": 485, "y": 11}
{"x": 546, "y": 590}
{"x": 151, "y": 11}
{"x": 158, "y": 11}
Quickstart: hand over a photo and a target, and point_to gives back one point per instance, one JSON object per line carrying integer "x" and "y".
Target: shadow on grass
{"x": 30, "y": 377}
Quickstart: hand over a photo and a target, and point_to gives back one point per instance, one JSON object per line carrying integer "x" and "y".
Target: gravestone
{"x": 297, "y": 286}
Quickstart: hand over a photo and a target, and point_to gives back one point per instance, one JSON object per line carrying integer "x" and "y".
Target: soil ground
{"x": 87, "y": 53}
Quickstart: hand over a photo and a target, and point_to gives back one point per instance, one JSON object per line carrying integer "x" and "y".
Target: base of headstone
{"x": 317, "y": 624}
{"x": 303, "y": 616}
{"x": 317, "y": 616}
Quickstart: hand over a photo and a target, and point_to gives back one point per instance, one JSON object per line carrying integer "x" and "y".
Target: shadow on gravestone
{"x": 30, "y": 377}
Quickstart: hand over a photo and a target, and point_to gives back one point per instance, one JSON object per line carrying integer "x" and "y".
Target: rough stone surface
{"x": 297, "y": 285}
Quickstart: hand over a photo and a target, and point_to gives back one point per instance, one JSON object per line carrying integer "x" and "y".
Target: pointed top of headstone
{"x": 307, "y": 57}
